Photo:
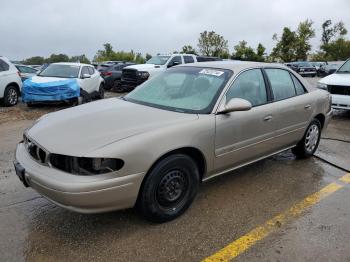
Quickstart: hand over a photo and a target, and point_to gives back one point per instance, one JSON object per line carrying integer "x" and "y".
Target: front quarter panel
{"x": 140, "y": 152}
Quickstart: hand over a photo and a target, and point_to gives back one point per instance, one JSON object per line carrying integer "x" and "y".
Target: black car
{"x": 112, "y": 73}
{"x": 304, "y": 68}
{"x": 326, "y": 70}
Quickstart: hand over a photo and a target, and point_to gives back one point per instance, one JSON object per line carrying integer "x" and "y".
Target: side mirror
{"x": 86, "y": 76}
{"x": 235, "y": 104}
{"x": 173, "y": 64}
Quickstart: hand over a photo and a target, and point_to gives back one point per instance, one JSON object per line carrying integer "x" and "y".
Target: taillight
{"x": 107, "y": 73}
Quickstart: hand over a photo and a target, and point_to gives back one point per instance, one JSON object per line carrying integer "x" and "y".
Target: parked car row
{"x": 303, "y": 68}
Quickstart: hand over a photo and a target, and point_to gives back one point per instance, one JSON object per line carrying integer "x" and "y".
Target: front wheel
{"x": 169, "y": 189}
{"x": 308, "y": 145}
{"x": 11, "y": 95}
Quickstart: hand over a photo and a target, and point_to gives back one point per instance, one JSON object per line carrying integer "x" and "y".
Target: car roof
{"x": 71, "y": 63}
{"x": 234, "y": 65}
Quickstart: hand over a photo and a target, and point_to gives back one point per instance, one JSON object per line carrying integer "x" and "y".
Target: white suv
{"x": 338, "y": 84}
{"x": 10, "y": 83}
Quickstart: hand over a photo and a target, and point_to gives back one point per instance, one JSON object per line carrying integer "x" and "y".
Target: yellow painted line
{"x": 243, "y": 243}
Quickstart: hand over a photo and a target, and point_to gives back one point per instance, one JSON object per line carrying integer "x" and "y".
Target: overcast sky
{"x": 38, "y": 27}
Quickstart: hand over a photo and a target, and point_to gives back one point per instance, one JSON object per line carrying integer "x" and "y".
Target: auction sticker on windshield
{"x": 211, "y": 72}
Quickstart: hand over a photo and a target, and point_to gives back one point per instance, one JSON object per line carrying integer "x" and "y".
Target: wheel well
{"x": 15, "y": 85}
{"x": 321, "y": 118}
{"x": 192, "y": 152}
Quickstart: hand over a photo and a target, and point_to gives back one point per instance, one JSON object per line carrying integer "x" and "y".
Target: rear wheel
{"x": 169, "y": 189}
{"x": 11, "y": 95}
{"x": 101, "y": 92}
{"x": 308, "y": 145}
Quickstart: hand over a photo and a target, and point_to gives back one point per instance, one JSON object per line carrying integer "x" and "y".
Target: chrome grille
{"x": 339, "y": 90}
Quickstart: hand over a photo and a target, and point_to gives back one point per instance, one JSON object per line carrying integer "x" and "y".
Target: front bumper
{"x": 307, "y": 73}
{"x": 83, "y": 194}
{"x": 341, "y": 102}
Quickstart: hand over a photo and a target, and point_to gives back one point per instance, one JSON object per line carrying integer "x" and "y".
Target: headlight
{"x": 322, "y": 86}
{"x": 85, "y": 166}
{"x": 144, "y": 75}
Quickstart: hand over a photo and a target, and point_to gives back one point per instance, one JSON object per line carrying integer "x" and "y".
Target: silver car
{"x": 153, "y": 147}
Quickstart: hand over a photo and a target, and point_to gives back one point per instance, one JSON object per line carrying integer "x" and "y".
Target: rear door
{"x": 292, "y": 104}
{"x": 247, "y": 135}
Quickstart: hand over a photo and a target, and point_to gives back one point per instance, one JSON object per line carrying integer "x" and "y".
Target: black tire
{"x": 309, "y": 143}
{"x": 169, "y": 188}
{"x": 11, "y": 96}
{"x": 101, "y": 92}
{"x": 108, "y": 87}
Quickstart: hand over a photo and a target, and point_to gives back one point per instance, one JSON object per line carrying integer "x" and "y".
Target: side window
{"x": 91, "y": 70}
{"x": 175, "y": 59}
{"x": 299, "y": 88}
{"x": 281, "y": 83}
{"x": 84, "y": 71}
{"x": 4, "y": 66}
{"x": 249, "y": 85}
{"x": 188, "y": 59}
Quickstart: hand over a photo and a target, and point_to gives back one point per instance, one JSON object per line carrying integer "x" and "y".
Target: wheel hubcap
{"x": 312, "y": 138}
{"x": 12, "y": 97}
{"x": 172, "y": 188}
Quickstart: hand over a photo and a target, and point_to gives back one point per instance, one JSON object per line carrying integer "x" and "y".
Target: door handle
{"x": 307, "y": 106}
{"x": 267, "y": 118}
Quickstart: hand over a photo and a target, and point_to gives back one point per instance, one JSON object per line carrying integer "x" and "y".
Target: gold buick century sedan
{"x": 153, "y": 147}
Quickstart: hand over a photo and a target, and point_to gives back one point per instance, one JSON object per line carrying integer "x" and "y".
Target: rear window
{"x": 4, "y": 66}
{"x": 281, "y": 83}
{"x": 188, "y": 59}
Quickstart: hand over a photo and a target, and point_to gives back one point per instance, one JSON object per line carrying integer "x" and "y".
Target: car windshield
{"x": 345, "y": 68}
{"x": 304, "y": 64}
{"x": 182, "y": 89}
{"x": 58, "y": 70}
{"x": 158, "y": 60}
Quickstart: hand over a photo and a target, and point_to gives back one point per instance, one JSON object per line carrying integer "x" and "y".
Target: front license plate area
{"x": 20, "y": 171}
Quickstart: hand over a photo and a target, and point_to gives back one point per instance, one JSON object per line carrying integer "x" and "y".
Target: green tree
{"x": 80, "y": 58}
{"x": 304, "y": 33}
{"x": 188, "y": 49}
{"x": 294, "y": 45}
{"x": 35, "y": 60}
{"x": 212, "y": 44}
{"x": 108, "y": 53}
{"x": 247, "y": 53}
{"x": 285, "y": 49}
{"x": 54, "y": 58}
{"x": 330, "y": 32}
{"x": 334, "y": 46}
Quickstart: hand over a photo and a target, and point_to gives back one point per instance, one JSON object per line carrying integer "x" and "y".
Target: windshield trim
{"x": 207, "y": 110}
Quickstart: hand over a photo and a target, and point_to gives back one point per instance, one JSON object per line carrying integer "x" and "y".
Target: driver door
{"x": 244, "y": 136}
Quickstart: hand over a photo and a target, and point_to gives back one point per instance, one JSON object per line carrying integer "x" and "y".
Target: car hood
{"x": 44, "y": 79}
{"x": 144, "y": 67}
{"x": 336, "y": 79}
{"x": 80, "y": 130}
